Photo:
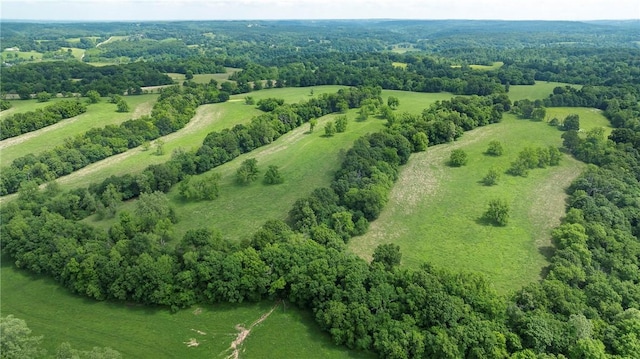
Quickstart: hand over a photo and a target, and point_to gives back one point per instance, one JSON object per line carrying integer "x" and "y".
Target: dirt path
{"x": 244, "y": 333}
{"x": 204, "y": 116}
{"x": 105, "y": 41}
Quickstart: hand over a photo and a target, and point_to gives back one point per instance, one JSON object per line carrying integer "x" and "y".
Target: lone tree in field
{"x": 495, "y": 149}
{"x": 312, "y": 124}
{"x": 273, "y": 175}
{"x": 491, "y": 178}
{"x": 122, "y": 105}
{"x": 329, "y": 129}
{"x": 247, "y": 172}
{"x": 498, "y": 212}
{"x": 341, "y": 123}
{"x": 458, "y": 158}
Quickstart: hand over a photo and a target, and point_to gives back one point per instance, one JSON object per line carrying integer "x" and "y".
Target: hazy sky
{"x": 318, "y": 9}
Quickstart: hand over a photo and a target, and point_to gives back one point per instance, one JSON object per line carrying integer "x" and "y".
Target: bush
{"x": 491, "y": 178}
{"x": 498, "y": 212}
{"x": 273, "y": 175}
{"x": 341, "y": 123}
{"x": 495, "y": 149}
{"x": 247, "y": 172}
{"x": 458, "y": 158}
{"x": 329, "y": 129}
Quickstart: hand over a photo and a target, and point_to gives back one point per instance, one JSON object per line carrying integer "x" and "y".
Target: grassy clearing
{"x": 204, "y": 78}
{"x": 540, "y": 90}
{"x": 27, "y": 55}
{"x": 589, "y": 117}
{"x": 400, "y": 65}
{"x": 77, "y": 53}
{"x": 97, "y": 115}
{"x": 21, "y": 106}
{"x": 434, "y": 210}
{"x": 147, "y": 332}
{"x": 494, "y": 66}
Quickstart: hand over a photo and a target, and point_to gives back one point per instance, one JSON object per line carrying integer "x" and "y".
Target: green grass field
{"x": 20, "y": 106}
{"x": 27, "y": 55}
{"x": 434, "y": 213}
{"x": 77, "y": 53}
{"x": 147, "y": 332}
{"x": 204, "y": 78}
{"x": 494, "y": 66}
{"x": 589, "y": 117}
{"x": 97, "y": 115}
{"x": 540, "y": 90}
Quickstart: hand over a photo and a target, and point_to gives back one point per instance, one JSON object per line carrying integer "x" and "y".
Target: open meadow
{"x": 144, "y": 332}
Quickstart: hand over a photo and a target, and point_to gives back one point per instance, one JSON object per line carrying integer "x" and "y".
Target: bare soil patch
{"x": 244, "y": 333}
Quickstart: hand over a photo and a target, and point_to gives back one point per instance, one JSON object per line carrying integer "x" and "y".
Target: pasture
{"x": 540, "y": 90}
{"x": 97, "y": 115}
{"x": 147, "y": 332}
{"x": 434, "y": 211}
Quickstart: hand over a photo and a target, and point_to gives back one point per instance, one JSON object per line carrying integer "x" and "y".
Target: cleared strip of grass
{"x": 20, "y": 106}
{"x": 147, "y": 332}
{"x": 540, "y": 90}
{"x": 494, "y": 66}
{"x": 434, "y": 212}
{"x": 97, "y": 115}
{"x": 589, "y": 117}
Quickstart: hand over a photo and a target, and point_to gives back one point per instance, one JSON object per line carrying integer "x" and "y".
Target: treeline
{"x": 20, "y": 123}
{"x": 135, "y": 48}
{"x": 76, "y": 77}
{"x": 175, "y": 107}
{"x": 422, "y": 74}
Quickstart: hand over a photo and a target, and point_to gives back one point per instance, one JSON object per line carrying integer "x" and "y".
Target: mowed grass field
{"x": 97, "y": 115}
{"x": 540, "y": 90}
{"x": 146, "y": 332}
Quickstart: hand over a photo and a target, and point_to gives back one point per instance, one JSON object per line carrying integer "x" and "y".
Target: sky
{"x": 131, "y": 10}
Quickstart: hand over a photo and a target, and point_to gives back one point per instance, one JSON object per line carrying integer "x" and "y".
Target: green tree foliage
{"x": 159, "y": 147}
{"x": 388, "y": 255}
{"x": 458, "y": 158}
{"x": 329, "y": 129}
{"x": 200, "y": 188}
{"x": 43, "y": 96}
{"x": 269, "y": 104}
{"x": 20, "y": 123}
{"x": 17, "y": 341}
{"x": 341, "y": 123}
{"x": 247, "y": 172}
{"x": 530, "y": 158}
{"x": 393, "y": 102}
{"x": 249, "y": 100}
{"x": 420, "y": 142}
{"x": 151, "y": 208}
{"x": 312, "y": 124}
{"x": 571, "y": 123}
{"x": 491, "y": 178}
{"x": 495, "y": 149}
{"x": 122, "y": 105}
{"x": 5, "y": 105}
{"x": 273, "y": 175}
{"x": 92, "y": 96}
{"x": 497, "y": 212}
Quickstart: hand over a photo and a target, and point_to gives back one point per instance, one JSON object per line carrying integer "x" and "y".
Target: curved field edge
{"x": 146, "y": 332}
{"x": 434, "y": 212}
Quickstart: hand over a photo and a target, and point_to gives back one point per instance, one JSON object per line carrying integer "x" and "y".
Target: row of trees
{"x": 20, "y": 123}
{"x": 175, "y": 107}
{"x": 76, "y": 77}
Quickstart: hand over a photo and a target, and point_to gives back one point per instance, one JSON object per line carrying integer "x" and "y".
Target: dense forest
{"x": 587, "y": 306}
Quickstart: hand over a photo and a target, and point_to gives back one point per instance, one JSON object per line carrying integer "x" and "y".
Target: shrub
{"x": 491, "y": 178}
{"x": 498, "y": 212}
{"x": 495, "y": 149}
{"x": 458, "y": 158}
